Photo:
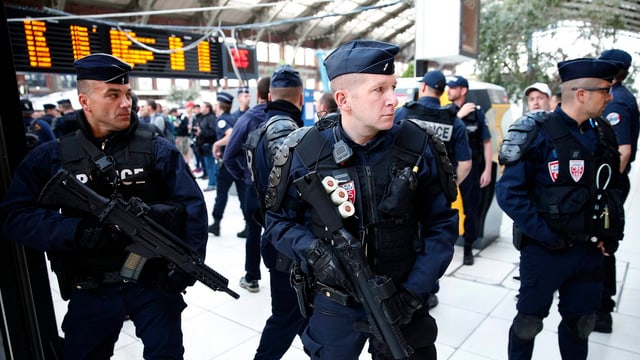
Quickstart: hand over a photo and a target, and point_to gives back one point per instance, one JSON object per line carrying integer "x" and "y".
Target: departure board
{"x": 245, "y": 59}
{"x": 53, "y": 45}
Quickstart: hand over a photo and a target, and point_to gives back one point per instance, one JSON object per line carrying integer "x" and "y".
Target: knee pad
{"x": 526, "y": 327}
{"x": 581, "y": 326}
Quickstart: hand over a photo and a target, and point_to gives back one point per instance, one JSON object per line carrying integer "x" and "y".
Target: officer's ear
{"x": 341, "y": 100}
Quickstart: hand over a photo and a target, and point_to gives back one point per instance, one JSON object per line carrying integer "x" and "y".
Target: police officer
{"x": 87, "y": 255}
{"x": 224, "y": 180}
{"x": 480, "y": 174}
{"x": 562, "y": 188}
{"x": 622, "y": 112}
{"x": 67, "y": 121}
{"x": 50, "y": 113}
{"x": 37, "y": 131}
{"x": 443, "y": 120}
{"x": 283, "y": 115}
{"x": 362, "y": 153}
{"x": 244, "y": 100}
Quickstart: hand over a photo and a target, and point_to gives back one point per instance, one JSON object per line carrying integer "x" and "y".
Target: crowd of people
{"x": 367, "y": 195}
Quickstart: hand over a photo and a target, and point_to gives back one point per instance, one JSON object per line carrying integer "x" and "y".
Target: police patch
{"x": 614, "y": 118}
{"x": 350, "y": 188}
{"x": 222, "y": 124}
{"x": 554, "y": 170}
{"x": 576, "y": 168}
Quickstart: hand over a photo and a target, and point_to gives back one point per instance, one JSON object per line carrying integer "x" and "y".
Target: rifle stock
{"x": 370, "y": 290}
{"x": 150, "y": 240}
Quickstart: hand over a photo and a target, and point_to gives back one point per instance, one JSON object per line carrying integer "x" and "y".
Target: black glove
{"x": 402, "y": 305}
{"x": 175, "y": 281}
{"x": 611, "y": 246}
{"x": 326, "y": 266}
{"x": 97, "y": 236}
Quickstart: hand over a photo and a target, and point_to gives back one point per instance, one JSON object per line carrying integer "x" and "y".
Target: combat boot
{"x": 214, "y": 228}
{"x": 468, "y": 255}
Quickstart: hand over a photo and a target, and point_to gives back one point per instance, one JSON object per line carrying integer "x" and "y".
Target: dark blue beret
{"x": 620, "y": 56}
{"x": 102, "y": 67}
{"x": 48, "y": 106}
{"x": 224, "y": 97}
{"x": 458, "y": 81}
{"x": 243, "y": 90}
{"x": 435, "y": 79}
{"x": 587, "y": 68}
{"x": 285, "y": 76}
{"x": 361, "y": 56}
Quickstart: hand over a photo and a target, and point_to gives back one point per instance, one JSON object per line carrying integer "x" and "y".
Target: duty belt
{"x": 333, "y": 294}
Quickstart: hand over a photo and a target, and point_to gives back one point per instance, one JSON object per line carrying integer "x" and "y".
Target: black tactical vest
{"x": 474, "y": 134}
{"x": 439, "y": 120}
{"x": 586, "y": 199}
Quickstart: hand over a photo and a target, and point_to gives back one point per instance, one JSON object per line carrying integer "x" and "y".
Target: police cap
{"x": 587, "y": 68}
{"x": 102, "y": 67}
{"x": 243, "y": 90}
{"x": 285, "y": 76}
{"x": 48, "y": 106}
{"x": 435, "y": 79}
{"x": 458, "y": 81}
{"x": 26, "y": 105}
{"x": 64, "y": 102}
{"x": 361, "y": 56}
{"x": 224, "y": 97}
{"x": 620, "y": 56}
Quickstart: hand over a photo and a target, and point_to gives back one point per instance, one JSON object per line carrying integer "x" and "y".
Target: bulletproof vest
{"x": 389, "y": 230}
{"x": 474, "y": 134}
{"x": 586, "y": 198}
{"x": 439, "y": 120}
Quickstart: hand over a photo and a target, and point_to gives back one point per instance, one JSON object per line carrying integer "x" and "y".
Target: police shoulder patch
{"x": 613, "y": 118}
{"x": 222, "y": 123}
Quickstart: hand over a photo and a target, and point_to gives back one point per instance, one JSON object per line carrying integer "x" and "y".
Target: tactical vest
{"x": 390, "y": 230}
{"x": 586, "y": 199}
{"x": 439, "y": 120}
{"x": 134, "y": 164}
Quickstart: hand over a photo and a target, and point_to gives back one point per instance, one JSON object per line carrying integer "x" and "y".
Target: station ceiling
{"x": 320, "y": 24}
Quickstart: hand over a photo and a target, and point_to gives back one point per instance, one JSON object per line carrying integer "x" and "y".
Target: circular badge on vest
{"x": 222, "y": 124}
{"x": 614, "y": 118}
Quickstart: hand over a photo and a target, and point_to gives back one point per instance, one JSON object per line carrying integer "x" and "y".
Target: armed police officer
{"x": 563, "y": 189}
{"x": 623, "y": 114}
{"x": 114, "y": 154}
{"x": 481, "y": 164}
{"x": 398, "y": 183}
{"x": 283, "y": 115}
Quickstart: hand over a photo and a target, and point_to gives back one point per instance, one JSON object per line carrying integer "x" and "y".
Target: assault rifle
{"x": 370, "y": 290}
{"x": 150, "y": 240}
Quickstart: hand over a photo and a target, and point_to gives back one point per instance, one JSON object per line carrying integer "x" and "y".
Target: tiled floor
{"x": 477, "y": 303}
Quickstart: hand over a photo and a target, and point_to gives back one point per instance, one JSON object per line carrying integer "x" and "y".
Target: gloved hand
{"x": 175, "y": 281}
{"x": 402, "y": 305}
{"x": 92, "y": 235}
{"x": 326, "y": 266}
{"x": 610, "y": 246}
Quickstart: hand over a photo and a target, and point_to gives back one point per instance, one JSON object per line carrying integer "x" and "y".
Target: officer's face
{"x": 107, "y": 107}
{"x": 372, "y": 101}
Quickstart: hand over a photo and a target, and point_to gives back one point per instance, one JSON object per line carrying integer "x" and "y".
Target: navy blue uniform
{"x": 92, "y": 327}
{"x": 478, "y": 134}
{"x": 330, "y": 333}
{"x": 554, "y": 258}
